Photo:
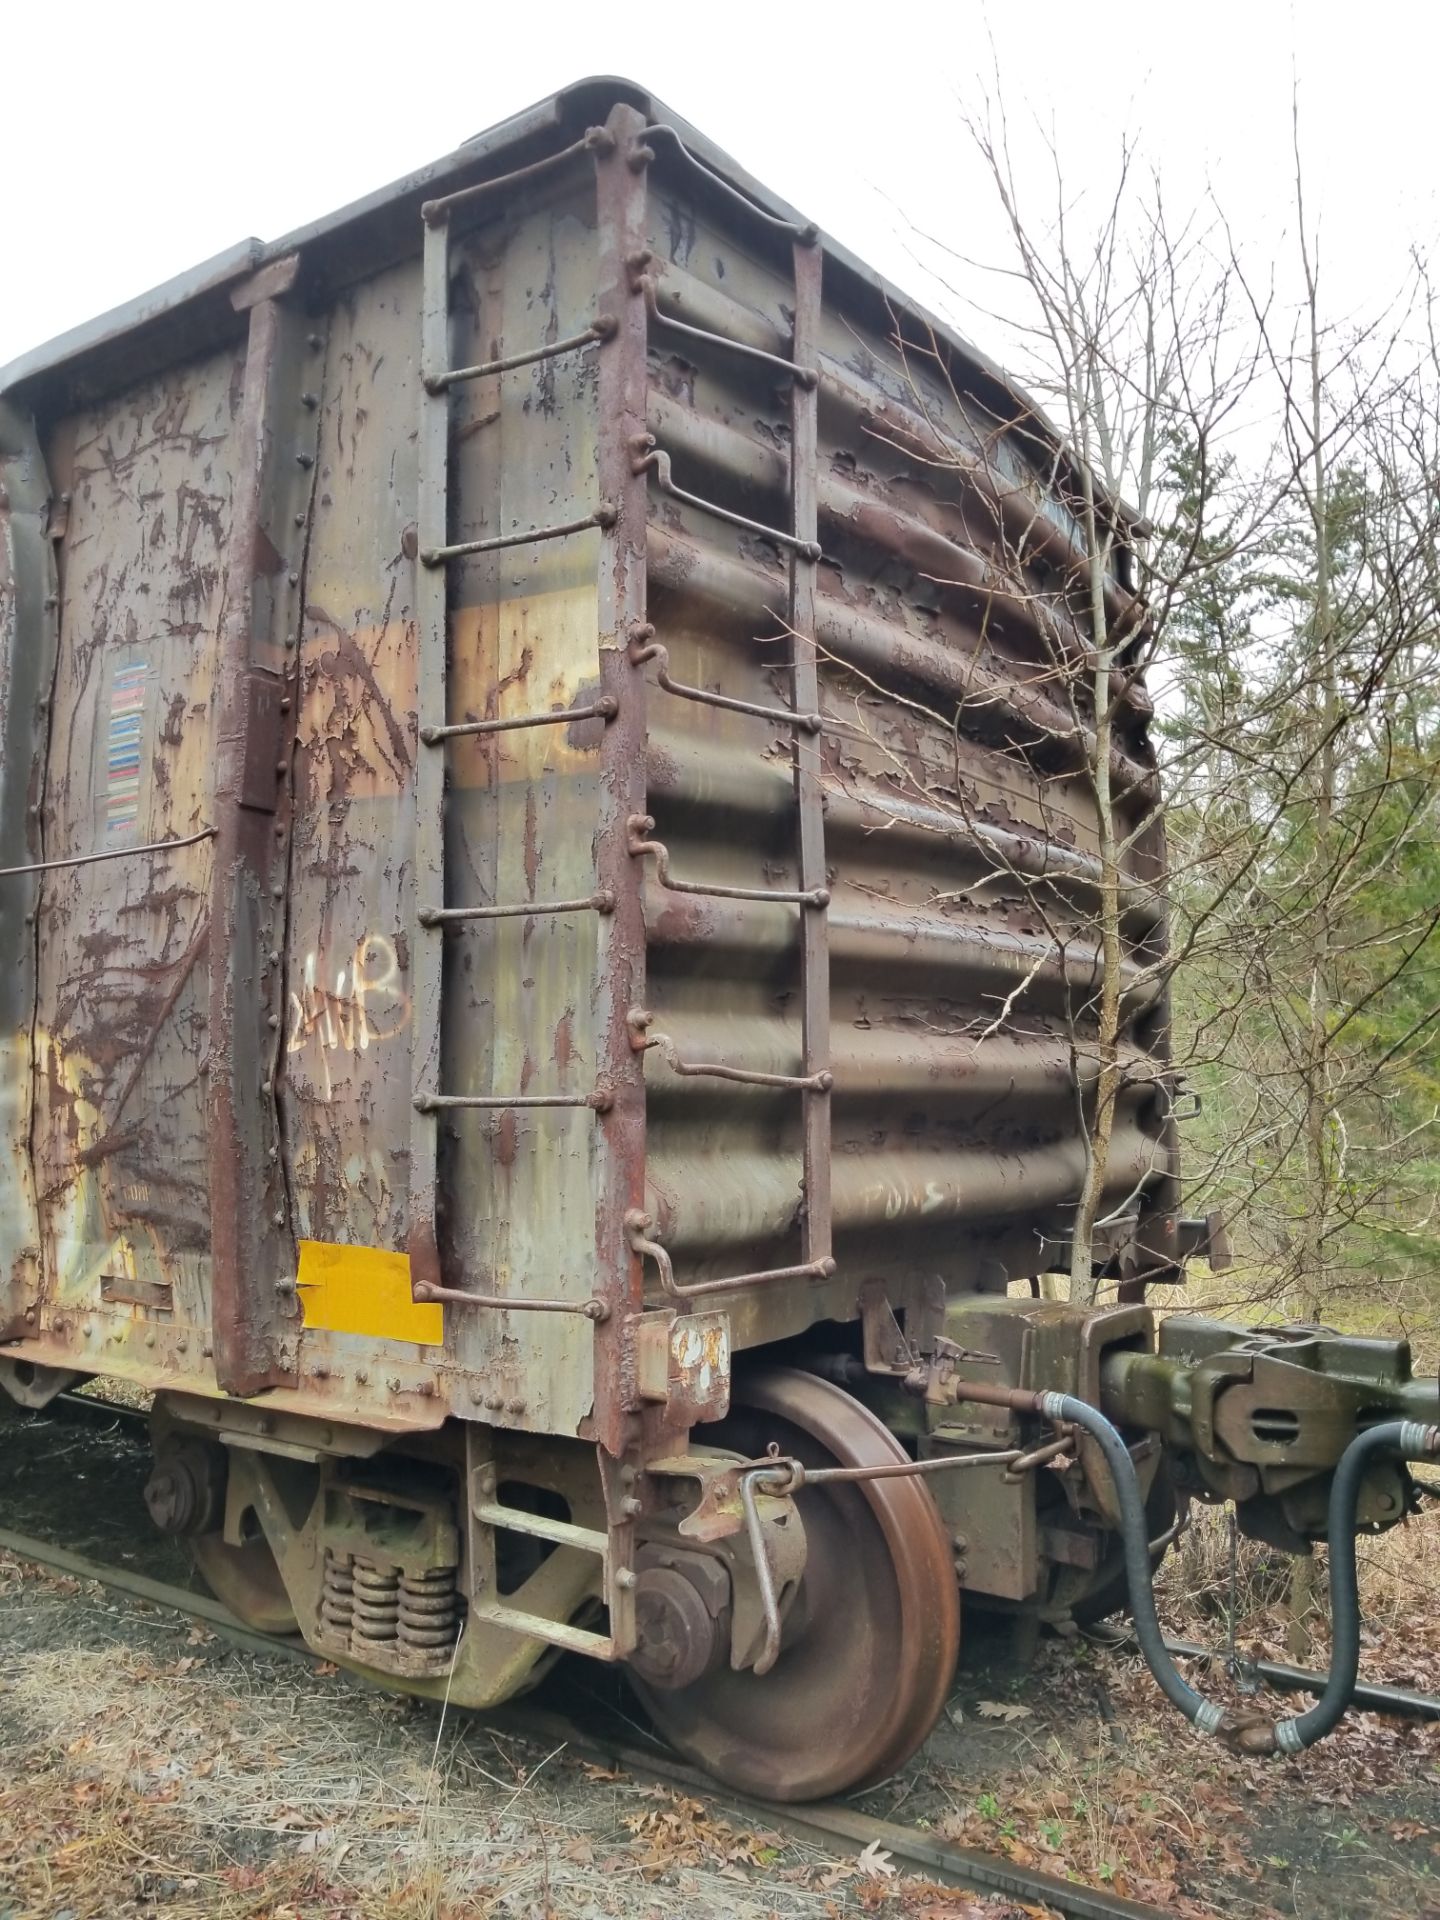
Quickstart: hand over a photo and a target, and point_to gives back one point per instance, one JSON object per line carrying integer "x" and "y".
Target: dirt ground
{"x": 1086, "y": 1770}
{"x": 147, "y": 1768}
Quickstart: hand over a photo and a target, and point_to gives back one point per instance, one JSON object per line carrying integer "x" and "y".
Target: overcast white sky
{"x": 142, "y": 137}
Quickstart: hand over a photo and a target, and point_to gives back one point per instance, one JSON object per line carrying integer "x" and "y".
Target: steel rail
{"x": 824, "y": 1823}
{"x": 91, "y": 1407}
{"x": 1403, "y": 1703}
{"x": 156, "y": 1593}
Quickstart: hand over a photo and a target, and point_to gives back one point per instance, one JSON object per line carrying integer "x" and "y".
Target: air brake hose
{"x": 1411, "y": 1439}
{"x": 1135, "y": 1540}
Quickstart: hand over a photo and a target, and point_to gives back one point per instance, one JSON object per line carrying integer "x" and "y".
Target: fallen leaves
{"x": 1141, "y": 1805}
{"x": 686, "y": 1833}
{"x": 1407, "y": 1830}
{"x": 876, "y": 1859}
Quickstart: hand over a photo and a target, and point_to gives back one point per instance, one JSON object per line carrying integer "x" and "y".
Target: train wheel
{"x": 247, "y": 1580}
{"x": 870, "y": 1643}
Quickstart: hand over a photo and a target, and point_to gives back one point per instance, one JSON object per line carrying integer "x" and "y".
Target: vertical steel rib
{"x": 243, "y": 1332}
{"x": 809, "y": 792}
{"x": 620, "y": 982}
{"x": 251, "y": 1228}
{"x": 29, "y": 653}
{"x": 427, "y": 954}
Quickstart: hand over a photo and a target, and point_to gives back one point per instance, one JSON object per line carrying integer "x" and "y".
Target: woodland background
{"x": 1285, "y": 459}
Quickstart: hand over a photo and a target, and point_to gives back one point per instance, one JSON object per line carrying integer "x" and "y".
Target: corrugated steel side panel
{"x": 957, "y": 1142}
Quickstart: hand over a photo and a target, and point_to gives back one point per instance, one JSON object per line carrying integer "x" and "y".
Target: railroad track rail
{"x": 830, "y": 1824}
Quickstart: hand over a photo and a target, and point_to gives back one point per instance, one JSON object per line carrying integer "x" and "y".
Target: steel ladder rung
{"x": 746, "y": 1076}
{"x": 556, "y": 1633}
{"x": 559, "y": 1533}
{"x": 642, "y": 1040}
{"x": 803, "y": 376}
{"x": 639, "y": 1227}
{"x": 603, "y": 516}
{"x": 804, "y": 235}
{"x": 602, "y": 329}
{"x": 595, "y": 140}
{"x": 602, "y": 901}
{"x": 604, "y": 708}
{"x": 647, "y": 650}
{"x": 641, "y": 826}
{"x": 538, "y": 1526}
{"x": 592, "y": 1309}
{"x": 656, "y": 460}
{"x": 601, "y": 1100}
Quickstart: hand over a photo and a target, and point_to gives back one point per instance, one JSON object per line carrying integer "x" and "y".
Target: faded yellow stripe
{"x": 365, "y": 1290}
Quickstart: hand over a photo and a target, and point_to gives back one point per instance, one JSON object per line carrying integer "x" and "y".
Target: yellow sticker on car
{"x": 365, "y": 1290}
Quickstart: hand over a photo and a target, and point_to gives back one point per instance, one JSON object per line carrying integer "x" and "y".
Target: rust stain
{"x": 532, "y": 848}
{"x": 564, "y": 1051}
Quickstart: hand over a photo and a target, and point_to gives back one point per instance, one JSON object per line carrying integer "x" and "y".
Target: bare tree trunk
{"x": 1084, "y": 1284}
{"x": 1300, "y": 1606}
{"x": 1314, "y": 1236}
{"x": 1313, "y": 1240}
{"x": 1286, "y": 581}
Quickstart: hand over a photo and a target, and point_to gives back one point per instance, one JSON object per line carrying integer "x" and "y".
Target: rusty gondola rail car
{"x": 547, "y": 895}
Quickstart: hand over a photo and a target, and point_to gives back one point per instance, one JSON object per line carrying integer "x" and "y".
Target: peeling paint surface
{"x": 345, "y": 1085}
{"x": 119, "y": 1136}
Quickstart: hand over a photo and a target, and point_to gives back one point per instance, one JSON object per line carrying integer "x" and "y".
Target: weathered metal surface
{"x": 622, "y": 191}
{"x": 29, "y": 625}
{"x": 252, "y": 1238}
{"x": 143, "y": 336}
{"x": 817, "y": 1224}
{"x": 518, "y": 1015}
{"x": 827, "y": 1009}
{"x": 933, "y": 657}
{"x": 432, "y": 532}
{"x": 350, "y": 969}
{"x": 119, "y": 1137}
{"x": 1260, "y": 1417}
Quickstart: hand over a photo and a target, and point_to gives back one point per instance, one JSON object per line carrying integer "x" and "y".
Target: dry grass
{"x": 1384, "y": 1307}
{"x": 1399, "y": 1578}
{"x": 146, "y": 1768}
{"x": 116, "y": 1392}
{"x": 1098, "y": 1776}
